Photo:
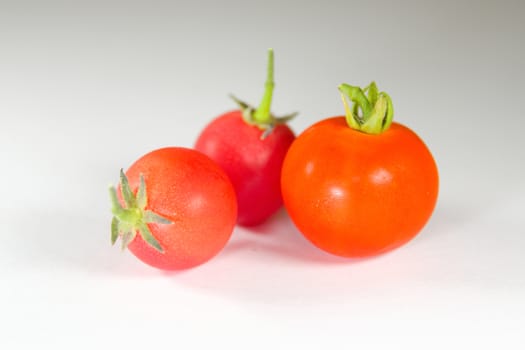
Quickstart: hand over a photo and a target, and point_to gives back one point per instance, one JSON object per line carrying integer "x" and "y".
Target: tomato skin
{"x": 354, "y": 194}
{"x": 190, "y": 190}
{"x": 252, "y": 164}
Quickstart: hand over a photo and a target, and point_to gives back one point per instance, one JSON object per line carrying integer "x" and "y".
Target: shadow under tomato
{"x": 447, "y": 218}
{"x": 279, "y": 238}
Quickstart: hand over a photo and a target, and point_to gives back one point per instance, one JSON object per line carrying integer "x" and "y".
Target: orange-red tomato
{"x": 354, "y": 194}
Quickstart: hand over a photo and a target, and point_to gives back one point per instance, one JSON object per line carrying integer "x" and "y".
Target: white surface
{"x": 85, "y": 89}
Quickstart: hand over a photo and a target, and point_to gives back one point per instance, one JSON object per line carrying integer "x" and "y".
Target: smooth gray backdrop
{"x": 86, "y": 87}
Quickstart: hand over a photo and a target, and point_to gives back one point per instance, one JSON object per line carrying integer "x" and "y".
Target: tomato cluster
{"x": 355, "y": 185}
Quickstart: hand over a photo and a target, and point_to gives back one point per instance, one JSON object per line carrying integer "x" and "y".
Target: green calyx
{"x": 261, "y": 116}
{"x": 372, "y": 111}
{"x": 133, "y": 218}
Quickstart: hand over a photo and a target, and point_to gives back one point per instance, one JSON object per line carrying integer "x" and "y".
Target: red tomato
{"x": 355, "y": 194}
{"x": 250, "y": 145}
{"x": 253, "y": 164}
{"x": 181, "y": 215}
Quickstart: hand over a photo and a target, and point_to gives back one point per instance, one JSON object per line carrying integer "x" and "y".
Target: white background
{"x": 88, "y": 87}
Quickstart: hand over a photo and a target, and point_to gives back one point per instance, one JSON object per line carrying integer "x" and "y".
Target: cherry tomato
{"x": 174, "y": 208}
{"x": 354, "y": 193}
{"x": 250, "y": 145}
{"x": 253, "y": 164}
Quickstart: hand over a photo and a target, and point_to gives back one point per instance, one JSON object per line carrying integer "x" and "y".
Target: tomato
{"x": 253, "y": 164}
{"x": 358, "y": 194}
{"x": 174, "y": 208}
{"x": 250, "y": 145}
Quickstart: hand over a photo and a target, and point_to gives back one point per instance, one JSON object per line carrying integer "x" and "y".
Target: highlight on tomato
{"x": 359, "y": 185}
{"x": 174, "y": 208}
{"x": 250, "y": 145}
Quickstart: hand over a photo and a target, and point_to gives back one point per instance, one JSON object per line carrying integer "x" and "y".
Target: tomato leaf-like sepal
{"x": 142, "y": 195}
{"x": 127, "y": 238}
{"x": 114, "y": 230}
{"x": 148, "y": 237}
{"x": 261, "y": 116}
{"x": 151, "y": 217}
{"x": 133, "y": 218}
{"x": 127, "y": 194}
{"x": 372, "y": 111}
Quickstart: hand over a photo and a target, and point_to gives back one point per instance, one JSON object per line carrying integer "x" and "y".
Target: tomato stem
{"x": 262, "y": 116}
{"x": 262, "y": 113}
{"x": 376, "y": 108}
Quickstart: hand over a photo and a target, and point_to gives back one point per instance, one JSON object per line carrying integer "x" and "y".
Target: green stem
{"x": 262, "y": 117}
{"x": 377, "y": 110}
{"x": 262, "y": 113}
{"x": 357, "y": 95}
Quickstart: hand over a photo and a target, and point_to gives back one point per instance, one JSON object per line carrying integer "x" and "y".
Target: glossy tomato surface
{"x": 196, "y": 195}
{"x": 355, "y": 195}
{"x": 252, "y": 163}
